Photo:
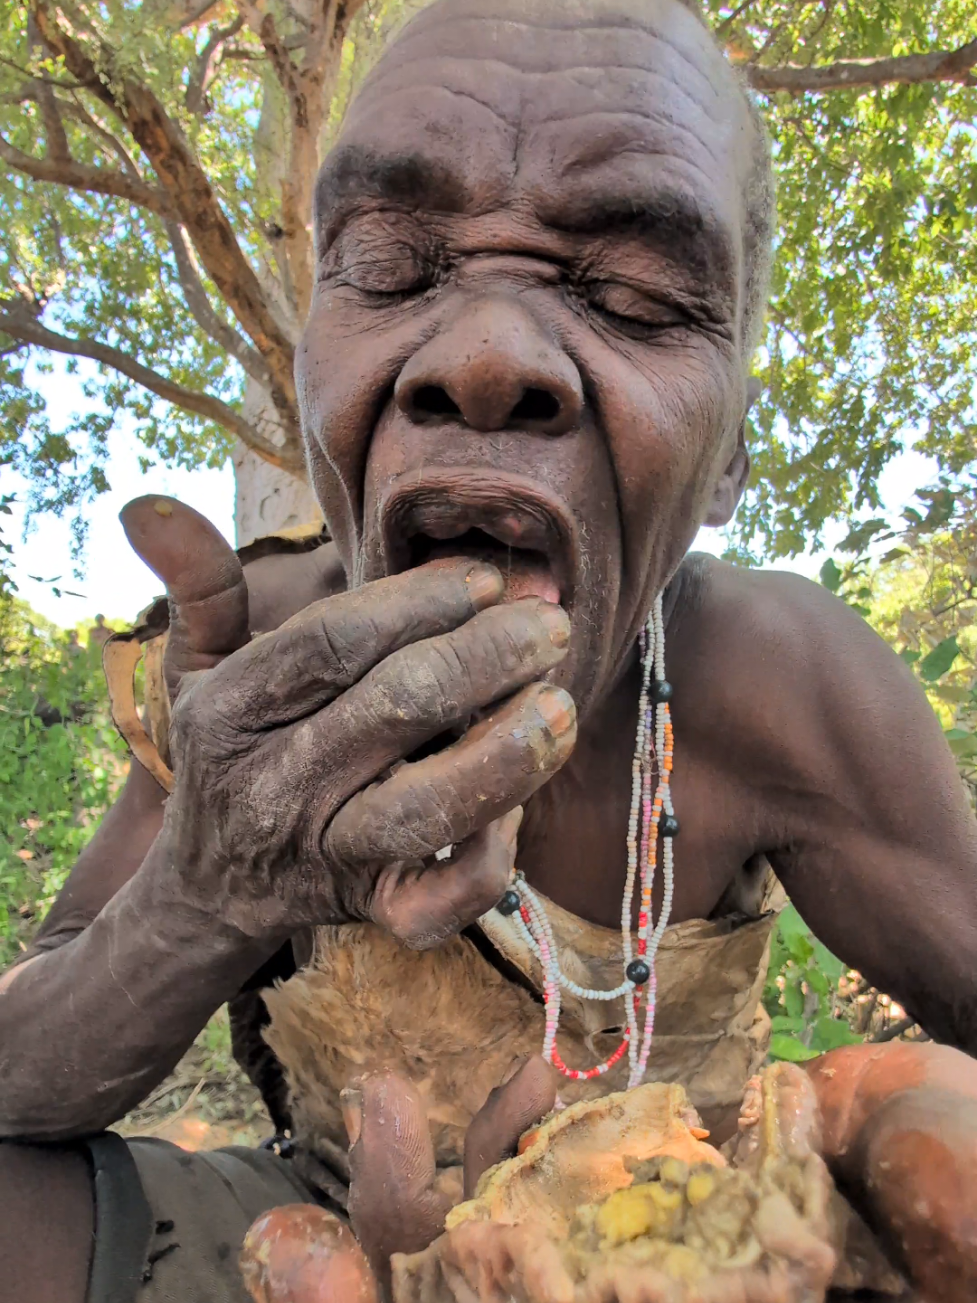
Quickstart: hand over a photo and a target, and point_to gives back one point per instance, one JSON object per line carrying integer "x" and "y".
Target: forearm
{"x": 88, "y": 1029}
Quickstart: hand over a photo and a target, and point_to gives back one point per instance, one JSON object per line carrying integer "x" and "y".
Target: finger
{"x": 393, "y": 1206}
{"x": 510, "y": 1110}
{"x": 434, "y": 686}
{"x": 422, "y": 905}
{"x": 446, "y": 798}
{"x": 332, "y": 644}
{"x": 203, "y": 578}
{"x": 301, "y": 1253}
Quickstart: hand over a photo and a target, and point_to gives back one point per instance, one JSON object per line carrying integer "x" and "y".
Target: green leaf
{"x": 909, "y": 655}
{"x": 794, "y": 1000}
{"x": 781, "y": 1023}
{"x": 937, "y": 662}
{"x": 963, "y": 747}
{"x": 828, "y": 963}
{"x": 831, "y": 576}
{"x": 858, "y": 539}
{"x": 789, "y": 1048}
{"x": 831, "y": 1033}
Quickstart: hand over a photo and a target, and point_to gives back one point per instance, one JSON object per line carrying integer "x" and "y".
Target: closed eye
{"x": 632, "y": 311}
{"x": 388, "y": 271}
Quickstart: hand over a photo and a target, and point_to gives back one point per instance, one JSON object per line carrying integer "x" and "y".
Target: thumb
{"x": 520, "y": 1102}
{"x": 394, "y": 1204}
{"x": 300, "y": 1253}
{"x": 204, "y": 581}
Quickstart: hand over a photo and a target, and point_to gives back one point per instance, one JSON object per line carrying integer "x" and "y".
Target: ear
{"x": 729, "y": 490}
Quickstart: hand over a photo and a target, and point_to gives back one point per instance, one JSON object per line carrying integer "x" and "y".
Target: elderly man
{"x": 543, "y": 238}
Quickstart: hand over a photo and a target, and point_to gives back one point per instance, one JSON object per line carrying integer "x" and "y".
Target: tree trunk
{"x": 267, "y": 500}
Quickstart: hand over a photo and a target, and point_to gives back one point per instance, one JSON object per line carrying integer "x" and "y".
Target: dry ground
{"x": 206, "y": 1102}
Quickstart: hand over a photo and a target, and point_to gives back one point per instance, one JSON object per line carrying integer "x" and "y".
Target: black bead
{"x": 637, "y": 972}
{"x": 509, "y": 903}
{"x": 668, "y": 825}
{"x": 660, "y": 690}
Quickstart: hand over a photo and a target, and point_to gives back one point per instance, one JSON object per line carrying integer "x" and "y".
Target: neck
{"x": 573, "y": 841}
{"x": 572, "y": 845}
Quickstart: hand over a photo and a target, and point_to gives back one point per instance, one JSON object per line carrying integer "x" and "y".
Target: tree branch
{"x": 308, "y": 85}
{"x": 21, "y": 324}
{"x": 56, "y": 142}
{"x": 264, "y": 27}
{"x": 194, "y": 13}
{"x": 720, "y": 31}
{"x": 196, "y": 97}
{"x": 95, "y": 180}
{"x": 893, "y": 1031}
{"x": 203, "y": 312}
{"x": 78, "y": 111}
{"x": 907, "y": 70}
{"x": 194, "y": 203}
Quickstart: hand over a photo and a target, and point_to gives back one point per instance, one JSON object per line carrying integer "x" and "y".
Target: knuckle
{"x": 335, "y": 650}
{"x": 516, "y": 641}
{"x": 419, "y": 685}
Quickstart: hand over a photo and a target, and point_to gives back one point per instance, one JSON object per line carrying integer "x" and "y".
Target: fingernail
{"x": 557, "y": 709}
{"x": 485, "y": 586}
{"x": 556, "y": 622}
{"x": 351, "y": 1103}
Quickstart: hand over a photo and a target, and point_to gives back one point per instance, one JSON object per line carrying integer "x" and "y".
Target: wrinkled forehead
{"x": 569, "y": 109}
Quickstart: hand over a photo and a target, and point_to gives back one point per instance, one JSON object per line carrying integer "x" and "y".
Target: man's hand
{"x": 292, "y": 802}
{"x": 397, "y": 1199}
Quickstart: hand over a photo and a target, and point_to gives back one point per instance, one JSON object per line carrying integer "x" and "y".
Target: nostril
{"x": 432, "y": 400}
{"x": 535, "y": 405}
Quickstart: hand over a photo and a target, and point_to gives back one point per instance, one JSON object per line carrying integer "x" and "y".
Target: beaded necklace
{"x": 651, "y": 818}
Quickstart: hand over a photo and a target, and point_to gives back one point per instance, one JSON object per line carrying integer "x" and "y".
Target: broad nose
{"x": 493, "y": 368}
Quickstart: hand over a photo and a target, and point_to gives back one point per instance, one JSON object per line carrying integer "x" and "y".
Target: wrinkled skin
{"x": 301, "y": 740}
{"x": 525, "y": 361}
{"x": 453, "y": 224}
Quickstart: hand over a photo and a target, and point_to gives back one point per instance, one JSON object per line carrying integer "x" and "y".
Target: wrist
{"x": 191, "y": 912}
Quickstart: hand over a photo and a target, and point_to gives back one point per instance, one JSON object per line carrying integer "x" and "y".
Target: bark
{"x": 267, "y": 500}
{"x": 911, "y": 69}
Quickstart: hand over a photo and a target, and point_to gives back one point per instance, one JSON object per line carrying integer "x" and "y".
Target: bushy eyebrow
{"x": 672, "y": 221}
{"x": 353, "y": 173}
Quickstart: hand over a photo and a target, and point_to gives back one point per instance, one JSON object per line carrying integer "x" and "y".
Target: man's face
{"x": 524, "y": 341}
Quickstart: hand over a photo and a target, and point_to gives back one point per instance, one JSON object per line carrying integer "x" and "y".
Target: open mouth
{"x": 527, "y": 534}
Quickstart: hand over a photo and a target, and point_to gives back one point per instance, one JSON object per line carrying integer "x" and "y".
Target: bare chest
{"x": 573, "y": 844}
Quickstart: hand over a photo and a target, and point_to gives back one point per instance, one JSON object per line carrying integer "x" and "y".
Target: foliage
{"x": 920, "y": 593}
{"x": 128, "y": 270}
{"x": 801, "y": 994}
{"x": 870, "y": 340}
{"x": 61, "y": 763}
{"x": 874, "y": 289}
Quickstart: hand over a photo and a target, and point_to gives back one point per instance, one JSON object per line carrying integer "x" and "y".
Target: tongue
{"x": 526, "y": 574}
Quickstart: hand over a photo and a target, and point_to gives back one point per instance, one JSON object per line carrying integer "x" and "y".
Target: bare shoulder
{"x": 784, "y": 661}
{"x": 777, "y": 622}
